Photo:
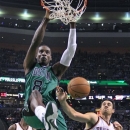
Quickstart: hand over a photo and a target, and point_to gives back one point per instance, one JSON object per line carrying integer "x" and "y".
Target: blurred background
{"x": 102, "y": 56}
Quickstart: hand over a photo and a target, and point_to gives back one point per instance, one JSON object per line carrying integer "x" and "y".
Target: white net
{"x": 62, "y": 9}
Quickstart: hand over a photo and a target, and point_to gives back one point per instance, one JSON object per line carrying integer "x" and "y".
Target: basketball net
{"x": 62, "y": 9}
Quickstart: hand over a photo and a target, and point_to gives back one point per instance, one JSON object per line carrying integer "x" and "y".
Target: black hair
{"x": 44, "y": 45}
{"x": 108, "y": 99}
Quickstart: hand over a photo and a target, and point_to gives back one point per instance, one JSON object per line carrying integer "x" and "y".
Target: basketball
{"x": 78, "y": 87}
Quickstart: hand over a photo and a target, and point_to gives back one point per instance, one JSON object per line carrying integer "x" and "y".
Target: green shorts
{"x": 34, "y": 122}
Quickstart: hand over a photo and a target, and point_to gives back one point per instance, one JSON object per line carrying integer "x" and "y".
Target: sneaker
{"x": 50, "y": 116}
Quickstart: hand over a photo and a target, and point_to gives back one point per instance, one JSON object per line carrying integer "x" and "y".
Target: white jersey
{"x": 19, "y": 127}
{"x": 102, "y": 125}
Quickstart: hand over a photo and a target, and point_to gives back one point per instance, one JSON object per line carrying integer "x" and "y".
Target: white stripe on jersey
{"x": 102, "y": 125}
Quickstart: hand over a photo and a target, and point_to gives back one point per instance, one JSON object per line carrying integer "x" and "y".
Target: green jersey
{"x": 42, "y": 79}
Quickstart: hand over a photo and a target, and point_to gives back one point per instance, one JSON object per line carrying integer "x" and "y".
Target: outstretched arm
{"x": 74, "y": 115}
{"x": 36, "y": 41}
{"x": 60, "y": 67}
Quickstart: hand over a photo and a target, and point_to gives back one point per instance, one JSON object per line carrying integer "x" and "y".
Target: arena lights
{"x": 103, "y": 82}
{"x": 127, "y": 16}
{"x": 100, "y": 97}
{"x": 97, "y": 17}
{"x": 67, "y": 81}
{"x": 1, "y": 12}
{"x": 25, "y": 15}
{"x": 90, "y": 97}
{"x": 94, "y": 82}
{"x": 8, "y": 79}
{"x": 3, "y": 94}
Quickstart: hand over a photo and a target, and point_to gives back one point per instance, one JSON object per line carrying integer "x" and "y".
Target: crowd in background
{"x": 93, "y": 66}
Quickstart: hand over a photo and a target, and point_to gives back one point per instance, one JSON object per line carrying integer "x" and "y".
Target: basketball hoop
{"x": 62, "y": 9}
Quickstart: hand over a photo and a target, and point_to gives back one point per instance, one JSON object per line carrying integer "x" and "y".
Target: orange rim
{"x": 84, "y": 6}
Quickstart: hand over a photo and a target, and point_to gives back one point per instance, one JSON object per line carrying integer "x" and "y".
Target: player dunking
{"x": 92, "y": 120}
{"x": 40, "y": 77}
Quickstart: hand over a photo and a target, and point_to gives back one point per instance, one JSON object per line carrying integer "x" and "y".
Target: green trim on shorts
{"x": 34, "y": 122}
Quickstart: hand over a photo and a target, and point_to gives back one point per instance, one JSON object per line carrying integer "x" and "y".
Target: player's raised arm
{"x": 74, "y": 115}
{"x": 36, "y": 41}
{"x": 60, "y": 67}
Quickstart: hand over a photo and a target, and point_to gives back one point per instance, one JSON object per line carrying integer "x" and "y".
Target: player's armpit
{"x": 59, "y": 69}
